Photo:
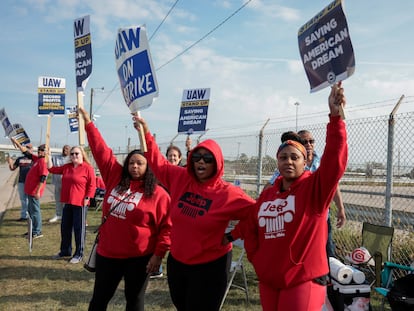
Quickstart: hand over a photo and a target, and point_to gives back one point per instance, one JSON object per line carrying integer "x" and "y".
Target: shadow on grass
{"x": 44, "y": 273}
{"x": 64, "y": 300}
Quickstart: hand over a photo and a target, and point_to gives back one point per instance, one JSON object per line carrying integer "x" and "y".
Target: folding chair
{"x": 99, "y": 196}
{"x": 237, "y": 266}
{"x": 377, "y": 240}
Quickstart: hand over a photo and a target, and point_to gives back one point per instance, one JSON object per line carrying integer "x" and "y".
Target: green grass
{"x": 34, "y": 281}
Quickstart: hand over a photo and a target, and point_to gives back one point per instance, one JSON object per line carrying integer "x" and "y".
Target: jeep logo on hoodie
{"x": 193, "y": 204}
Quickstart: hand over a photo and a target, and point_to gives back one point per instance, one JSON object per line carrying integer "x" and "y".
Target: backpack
{"x": 401, "y": 294}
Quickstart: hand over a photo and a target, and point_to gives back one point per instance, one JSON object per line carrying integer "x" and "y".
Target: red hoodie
{"x": 139, "y": 225}
{"x": 200, "y": 212}
{"x": 286, "y": 235}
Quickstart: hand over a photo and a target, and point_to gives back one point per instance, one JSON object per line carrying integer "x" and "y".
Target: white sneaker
{"x": 55, "y": 218}
{"x": 75, "y": 260}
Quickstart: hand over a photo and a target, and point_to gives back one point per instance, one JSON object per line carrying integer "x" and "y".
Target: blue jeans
{"x": 35, "y": 214}
{"x": 24, "y": 200}
{"x": 330, "y": 244}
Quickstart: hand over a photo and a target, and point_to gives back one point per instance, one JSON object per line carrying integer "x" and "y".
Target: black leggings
{"x": 110, "y": 271}
{"x": 198, "y": 287}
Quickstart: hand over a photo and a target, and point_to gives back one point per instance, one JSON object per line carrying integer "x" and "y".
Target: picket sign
{"x": 136, "y": 72}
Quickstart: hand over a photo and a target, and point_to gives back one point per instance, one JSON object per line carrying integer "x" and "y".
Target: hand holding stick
{"x": 142, "y": 128}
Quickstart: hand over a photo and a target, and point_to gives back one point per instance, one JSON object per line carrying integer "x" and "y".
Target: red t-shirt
{"x": 33, "y": 177}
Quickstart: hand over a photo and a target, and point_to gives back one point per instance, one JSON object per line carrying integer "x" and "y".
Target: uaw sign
{"x": 15, "y": 131}
{"x": 325, "y": 47}
{"x": 72, "y": 113}
{"x": 135, "y": 68}
{"x": 83, "y": 51}
{"x": 51, "y": 94}
{"x": 193, "y": 112}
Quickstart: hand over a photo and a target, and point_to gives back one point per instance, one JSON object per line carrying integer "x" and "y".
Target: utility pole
{"x": 297, "y": 111}
{"x": 91, "y": 103}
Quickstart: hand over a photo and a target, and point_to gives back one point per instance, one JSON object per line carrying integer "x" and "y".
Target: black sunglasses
{"x": 207, "y": 158}
{"x": 309, "y": 141}
{"x": 73, "y": 153}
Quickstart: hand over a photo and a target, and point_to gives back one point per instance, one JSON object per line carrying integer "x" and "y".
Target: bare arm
{"x": 23, "y": 149}
{"x": 340, "y": 216}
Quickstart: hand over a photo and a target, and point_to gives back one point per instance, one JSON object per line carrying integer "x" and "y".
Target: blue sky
{"x": 251, "y": 62}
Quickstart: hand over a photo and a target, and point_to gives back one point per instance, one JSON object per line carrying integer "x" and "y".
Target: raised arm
{"x": 163, "y": 170}
{"x": 337, "y": 100}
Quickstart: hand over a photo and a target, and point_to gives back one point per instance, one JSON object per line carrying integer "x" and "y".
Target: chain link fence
{"x": 378, "y": 185}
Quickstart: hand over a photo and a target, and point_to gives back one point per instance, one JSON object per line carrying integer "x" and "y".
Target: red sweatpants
{"x": 308, "y": 296}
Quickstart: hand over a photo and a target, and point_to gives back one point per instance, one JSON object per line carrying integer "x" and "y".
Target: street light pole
{"x": 90, "y": 107}
{"x": 297, "y": 110}
{"x": 199, "y": 137}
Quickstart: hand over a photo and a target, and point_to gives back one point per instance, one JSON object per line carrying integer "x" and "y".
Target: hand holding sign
{"x": 337, "y": 100}
{"x": 135, "y": 71}
{"x": 325, "y": 47}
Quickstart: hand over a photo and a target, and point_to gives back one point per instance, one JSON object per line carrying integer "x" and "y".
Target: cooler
{"x": 349, "y": 297}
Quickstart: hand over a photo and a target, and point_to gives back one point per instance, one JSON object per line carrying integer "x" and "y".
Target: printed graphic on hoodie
{"x": 193, "y": 204}
{"x": 274, "y": 214}
{"x": 128, "y": 202}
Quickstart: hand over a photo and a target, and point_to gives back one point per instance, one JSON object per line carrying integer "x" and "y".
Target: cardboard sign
{"x": 135, "y": 68}
{"x": 51, "y": 96}
{"x": 73, "y": 119}
{"x": 193, "y": 112}
{"x": 83, "y": 51}
{"x": 325, "y": 47}
{"x": 15, "y": 131}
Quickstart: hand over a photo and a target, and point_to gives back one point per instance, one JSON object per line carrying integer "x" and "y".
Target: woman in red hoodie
{"x": 202, "y": 204}
{"x": 285, "y": 236}
{"x": 136, "y": 234}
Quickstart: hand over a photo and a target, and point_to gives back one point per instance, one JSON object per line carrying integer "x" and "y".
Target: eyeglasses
{"x": 207, "y": 157}
{"x": 309, "y": 141}
{"x": 74, "y": 153}
{"x": 40, "y": 149}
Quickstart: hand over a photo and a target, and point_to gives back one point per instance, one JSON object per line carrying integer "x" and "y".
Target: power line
{"x": 185, "y": 50}
{"x": 115, "y": 87}
{"x": 162, "y": 22}
{"x": 205, "y": 36}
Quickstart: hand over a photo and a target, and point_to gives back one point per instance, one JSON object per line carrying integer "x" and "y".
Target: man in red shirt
{"x": 35, "y": 186}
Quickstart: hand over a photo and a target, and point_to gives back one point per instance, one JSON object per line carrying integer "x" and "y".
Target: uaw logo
{"x": 123, "y": 203}
{"x": 274, "y": 214}
{"x": 194, "y": 205}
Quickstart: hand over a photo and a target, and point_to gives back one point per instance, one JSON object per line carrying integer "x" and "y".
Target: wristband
{"x": 229, "y": 237}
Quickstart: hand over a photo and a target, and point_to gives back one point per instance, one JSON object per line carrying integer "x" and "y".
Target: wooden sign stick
{"x": 49, "y": 119}
{"x": 81, "y": 123}
{"x": 141, "y": 134}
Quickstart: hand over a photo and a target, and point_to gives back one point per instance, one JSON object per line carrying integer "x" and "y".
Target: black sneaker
{"x": 21, "y": 219}
{"x": 37, "y": 235}
{"x": 156, "y": 275}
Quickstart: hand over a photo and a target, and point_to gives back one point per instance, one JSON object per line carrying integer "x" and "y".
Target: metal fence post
{"x": 259, "y": 159}
{"x": 389, "y": 179}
